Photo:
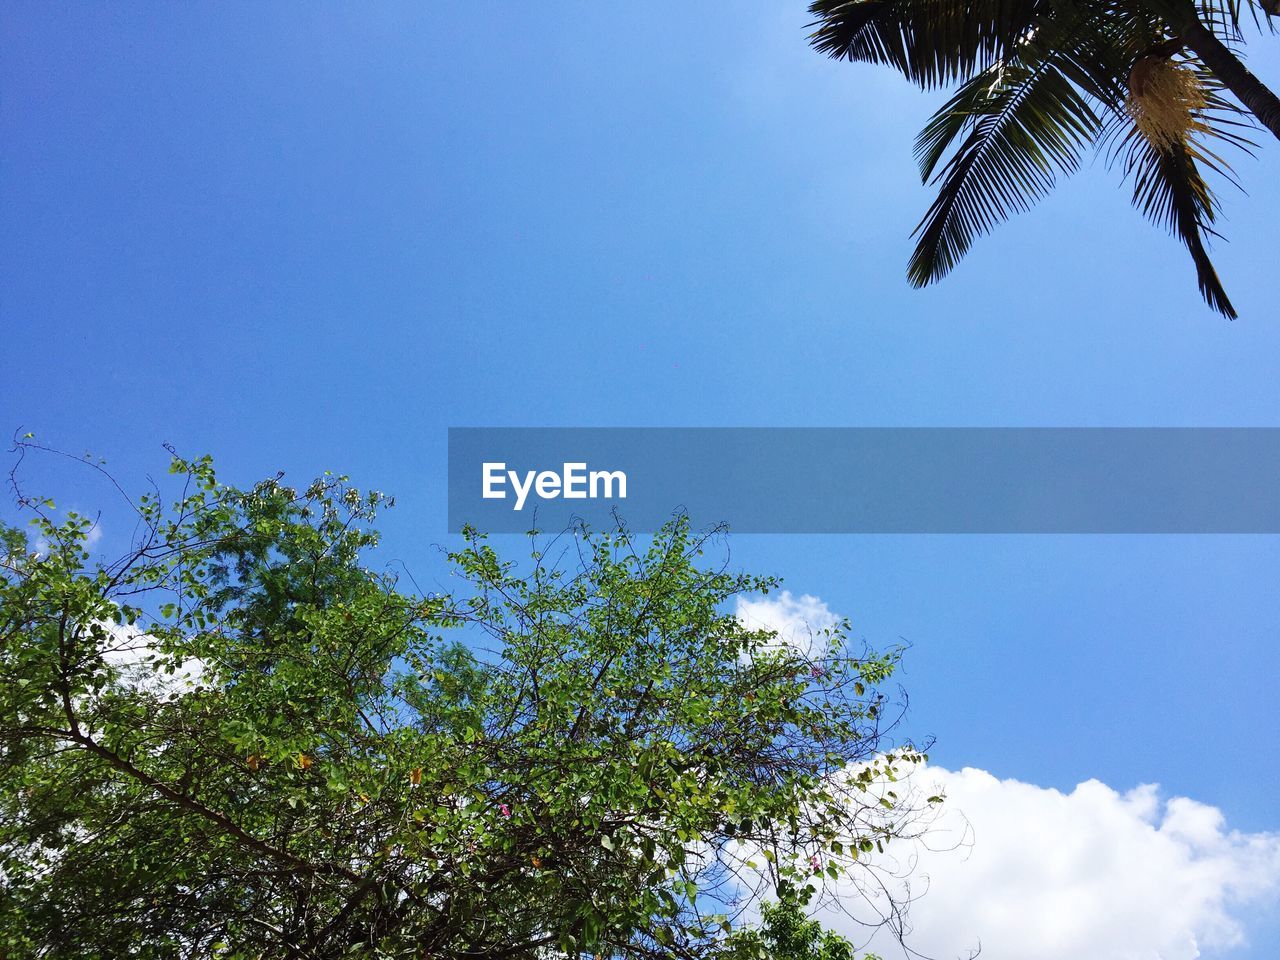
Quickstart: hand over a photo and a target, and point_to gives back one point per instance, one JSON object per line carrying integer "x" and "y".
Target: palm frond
{"x": 1026, "y": 125}
{"x": 931, "y": 42}
{"x": 1225, "y": 17}
{"x": 1170, "y": 190}
{"x": 1039, "y": 81}
{"x": 1170, "y": 187}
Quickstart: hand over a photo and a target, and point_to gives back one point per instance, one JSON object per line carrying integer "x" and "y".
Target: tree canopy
{"x": 787, "y": 933}
{"x": 241, "y": 739}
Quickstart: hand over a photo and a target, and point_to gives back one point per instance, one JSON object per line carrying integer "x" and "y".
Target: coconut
{"x": 1165, "y": 101}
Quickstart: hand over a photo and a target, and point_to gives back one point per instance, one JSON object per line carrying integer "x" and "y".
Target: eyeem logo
{"x": 574, "y": 482}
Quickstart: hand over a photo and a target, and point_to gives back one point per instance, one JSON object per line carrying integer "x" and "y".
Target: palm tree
{"x": 1041, "y": 82}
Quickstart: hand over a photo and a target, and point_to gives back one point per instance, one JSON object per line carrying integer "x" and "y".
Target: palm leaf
{"x": 1036, "y": 78}
{"x": 931, "y": 42}
{"x": 1170, "y": 190}
{"x": 1026, "y": 125}
{"x": 1170, "y": 187}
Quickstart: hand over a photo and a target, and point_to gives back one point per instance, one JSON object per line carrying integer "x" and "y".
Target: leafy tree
{"x": 1041, "y": 83}
{"x": 787, "y": 933}
{"x": 239, "y": 740}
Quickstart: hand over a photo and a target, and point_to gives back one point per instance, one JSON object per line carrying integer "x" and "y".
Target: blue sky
{"x": 306, "y": 238}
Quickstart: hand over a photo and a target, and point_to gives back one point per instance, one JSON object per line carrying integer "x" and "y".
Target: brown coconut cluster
{"x": 1165, "y": 101}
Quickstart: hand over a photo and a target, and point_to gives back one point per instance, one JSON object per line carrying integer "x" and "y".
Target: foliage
{"x": 788, "y": 934}
{"x": 240, "y": 741}
{"x": 1038, "y": 85}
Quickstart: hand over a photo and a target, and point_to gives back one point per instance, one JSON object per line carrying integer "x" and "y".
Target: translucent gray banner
{"x": 869, "y": 480}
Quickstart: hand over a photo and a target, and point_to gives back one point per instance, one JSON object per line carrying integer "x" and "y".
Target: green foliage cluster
{"x": 241, "y": 741}
{"x": 787, "y": 933}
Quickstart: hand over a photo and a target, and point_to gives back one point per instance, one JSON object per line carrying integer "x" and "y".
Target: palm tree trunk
{"x": 1226, "y": 66}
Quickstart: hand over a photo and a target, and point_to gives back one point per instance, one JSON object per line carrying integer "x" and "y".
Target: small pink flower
{"x": 815, "y": 672}
{"x": 815, "y": 863}
{"x": 504, "y": 810}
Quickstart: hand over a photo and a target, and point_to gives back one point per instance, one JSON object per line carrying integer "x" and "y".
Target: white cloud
{"x": 1023, "y": 871}
{"x": 798, "y": 621}
{"x": 137, "y": 664}
{"x": 1026, "y": 871}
